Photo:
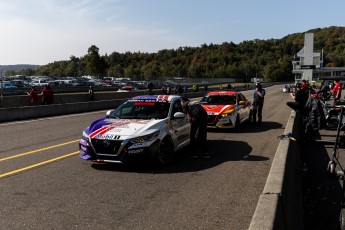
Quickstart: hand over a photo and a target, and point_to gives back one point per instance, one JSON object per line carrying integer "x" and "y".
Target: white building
{"x": 308, "y": 65}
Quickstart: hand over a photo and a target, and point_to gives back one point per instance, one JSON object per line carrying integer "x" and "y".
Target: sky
{"x": 39, "y": 32}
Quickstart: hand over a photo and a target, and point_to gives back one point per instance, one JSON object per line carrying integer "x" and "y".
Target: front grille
{"x": 106, "y": 147}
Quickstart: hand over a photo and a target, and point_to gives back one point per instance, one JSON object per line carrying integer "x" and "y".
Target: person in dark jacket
{"x": 299, "y": 97}
{"x": 150, "y": 87}
{"x": 258, "y": 103}
{"x": 91, "y": 93}
{"x": 197, "y": 117}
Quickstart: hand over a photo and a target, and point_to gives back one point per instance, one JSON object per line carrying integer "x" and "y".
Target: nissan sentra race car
{"x": 226, "y": 109}
{"x": 143, "y": 127}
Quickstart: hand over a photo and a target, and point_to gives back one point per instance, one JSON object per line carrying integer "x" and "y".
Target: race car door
{"x": 243, "y": 109}
{"x": 180, "y": 127}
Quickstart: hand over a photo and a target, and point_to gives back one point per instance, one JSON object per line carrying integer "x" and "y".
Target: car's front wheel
{"x": 237, "y": 123}
{"x": 166, "y": 151}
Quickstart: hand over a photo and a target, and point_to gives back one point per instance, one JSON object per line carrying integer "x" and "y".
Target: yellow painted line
{"x": 38, "y": 150}
{"x": 36, "y": 165}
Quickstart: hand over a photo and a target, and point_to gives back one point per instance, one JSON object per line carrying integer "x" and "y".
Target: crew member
{"x": 258, "y": 103}
{"x": 197, "y": 117}
{"x": 150, "y": 87}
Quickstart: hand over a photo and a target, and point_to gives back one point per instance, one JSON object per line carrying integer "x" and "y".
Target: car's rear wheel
{"x": 166, "y": 151}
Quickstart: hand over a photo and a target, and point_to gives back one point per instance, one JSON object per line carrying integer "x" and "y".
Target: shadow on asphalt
{"x": 234, "y": 151}
{"x": 265, "y": 126}
{"x": 322, "y": 192}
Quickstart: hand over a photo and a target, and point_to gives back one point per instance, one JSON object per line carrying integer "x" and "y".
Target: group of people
{"x": 47, "y": 95}
{"x": 197, "y": 117}
{"x": 304, "y": 90}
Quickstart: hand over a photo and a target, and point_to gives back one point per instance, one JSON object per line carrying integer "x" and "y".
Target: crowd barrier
{"x": 67, "y": 104}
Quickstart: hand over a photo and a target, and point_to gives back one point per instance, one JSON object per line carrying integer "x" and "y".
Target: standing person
{"x": 34, "y": 95}
{"x": 91, "y": 93}
{"x": 45, "y": 96}
{"x": 150, "y": 89}
{"x": 164, "y": 90}
{"x": 197, "y": 117}
{"x": 185, "y": 88}
{"x": 258, "y": 103}
{"x": 336, "y": 91}
{"x": 299, "y": 97}
{"x": 50, "y": 99}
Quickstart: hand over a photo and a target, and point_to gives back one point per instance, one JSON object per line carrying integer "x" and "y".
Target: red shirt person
{"x": 336, "y": 91}
{"x": 45, "y": 95}
{"x": 34, "y": 95}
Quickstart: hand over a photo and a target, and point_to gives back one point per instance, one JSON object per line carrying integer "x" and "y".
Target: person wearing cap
{"x": 150, "y": 87}
{"x": 197, "y": 117}
{"x": 258, "y": 103}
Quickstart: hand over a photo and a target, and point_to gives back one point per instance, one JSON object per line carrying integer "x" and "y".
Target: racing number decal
{"x": 163, "y": 98}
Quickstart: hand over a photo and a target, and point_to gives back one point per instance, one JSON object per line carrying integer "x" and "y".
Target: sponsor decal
{"x": 140, "y": 145}
{"x": 135, "y": 151}
{"x": 144, "y": 103}
{"x": 116, "y": 125}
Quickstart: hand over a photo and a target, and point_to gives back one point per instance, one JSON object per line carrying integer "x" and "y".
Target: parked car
{"x": 288, "y": 89}
{"x": 8, "y": 86}
{"x": 143, "y": 127}
{"x": 127, "y": 88}
{"x": 38, "y": 83}
{"x": 226, "y": 109}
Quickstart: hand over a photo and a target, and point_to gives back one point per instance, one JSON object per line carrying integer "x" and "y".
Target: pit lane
{"x": 217, "y": 193}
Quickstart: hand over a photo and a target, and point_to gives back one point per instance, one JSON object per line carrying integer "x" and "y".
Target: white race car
{"x": 144, "y": 127}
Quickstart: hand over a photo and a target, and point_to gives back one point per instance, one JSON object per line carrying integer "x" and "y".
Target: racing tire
{"x": 250, "y": 119}
{"x": 237, "y": 124}
{"x": 166, "y": 151}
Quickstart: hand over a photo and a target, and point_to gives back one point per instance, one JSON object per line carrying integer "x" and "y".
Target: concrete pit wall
{"x": 280, "y": 204}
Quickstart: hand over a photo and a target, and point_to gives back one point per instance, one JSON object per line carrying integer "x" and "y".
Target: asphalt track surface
{"x": 45, "y": 185}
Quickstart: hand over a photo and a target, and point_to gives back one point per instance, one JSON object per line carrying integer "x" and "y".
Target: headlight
{"x": 228, "y": 113}
{"x": 145, "y": 138}
{"x": 85, "y": 136}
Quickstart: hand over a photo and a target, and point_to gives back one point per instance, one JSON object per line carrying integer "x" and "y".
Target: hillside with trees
{"x": 269, "y": 59}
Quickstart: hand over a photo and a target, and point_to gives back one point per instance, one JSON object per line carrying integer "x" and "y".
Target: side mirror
{"x": 179, "y": 115}
{"x": 108, "y": 113}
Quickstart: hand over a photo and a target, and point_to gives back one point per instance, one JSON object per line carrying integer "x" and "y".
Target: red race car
{"x": 226, "y": 109}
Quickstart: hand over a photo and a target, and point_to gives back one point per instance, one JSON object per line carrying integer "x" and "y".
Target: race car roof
{"x": 156, "y": 98}
{"x": 232, "y": 93}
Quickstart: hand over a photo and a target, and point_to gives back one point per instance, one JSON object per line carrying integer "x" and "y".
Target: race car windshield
{"x": 141, "y": 110}
{"x": 219, "y": 100}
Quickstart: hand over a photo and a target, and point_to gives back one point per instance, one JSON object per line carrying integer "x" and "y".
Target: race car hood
{"x": 120, "y": 129}
{"x": 217, "y": 109}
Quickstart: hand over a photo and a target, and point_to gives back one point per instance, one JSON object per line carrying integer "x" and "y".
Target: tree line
{"x": 268, "y": 59}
